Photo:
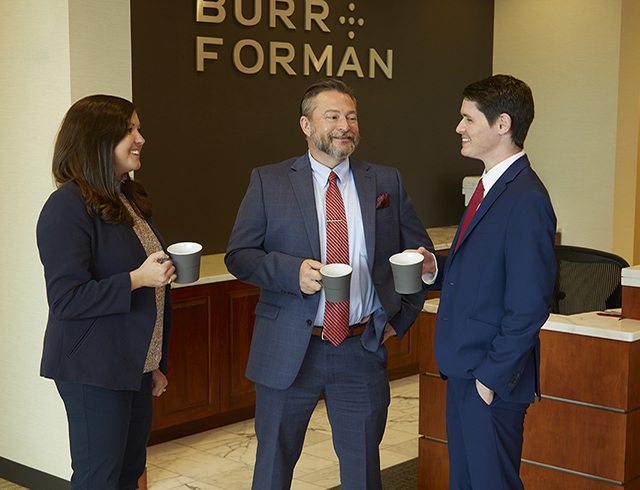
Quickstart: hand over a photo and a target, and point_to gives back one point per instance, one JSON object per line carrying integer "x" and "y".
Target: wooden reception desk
{"x": 584, "y": 434}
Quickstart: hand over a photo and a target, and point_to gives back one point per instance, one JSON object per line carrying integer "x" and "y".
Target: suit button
{"x": 450, "y": 283}
{"x": 309, "y": 323}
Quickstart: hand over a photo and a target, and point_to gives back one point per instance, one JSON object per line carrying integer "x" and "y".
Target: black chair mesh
{"x": 586, "y": 280}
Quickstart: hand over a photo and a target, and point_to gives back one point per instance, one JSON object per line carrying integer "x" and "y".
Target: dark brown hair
{"x": 504, "y": 94}
{"x": 83, "y": 153}
{"x": 308, "y": 99}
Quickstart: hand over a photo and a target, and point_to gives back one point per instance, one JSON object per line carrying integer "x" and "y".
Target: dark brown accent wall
{"x": 206, "y": 130}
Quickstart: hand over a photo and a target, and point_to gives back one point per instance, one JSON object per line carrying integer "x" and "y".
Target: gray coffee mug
{"x": 407, "y": 272}
{"x": 186, "y": 259}
{"x": 336, "y": 282}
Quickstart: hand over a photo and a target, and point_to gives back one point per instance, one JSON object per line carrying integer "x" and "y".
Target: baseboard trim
{"x": 30, "y": 477}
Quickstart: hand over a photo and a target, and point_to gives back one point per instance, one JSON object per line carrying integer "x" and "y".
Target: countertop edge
{"x": 609, "y": 327}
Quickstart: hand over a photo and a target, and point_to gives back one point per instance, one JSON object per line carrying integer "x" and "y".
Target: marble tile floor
{"x": 222, "y": 459}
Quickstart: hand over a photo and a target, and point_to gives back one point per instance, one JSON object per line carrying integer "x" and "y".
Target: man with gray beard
{"x": 298, "y": 215}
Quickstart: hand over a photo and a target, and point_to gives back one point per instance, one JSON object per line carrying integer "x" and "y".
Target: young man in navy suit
{"x": 496, "y": 290}
{"x": 279, "y": 243}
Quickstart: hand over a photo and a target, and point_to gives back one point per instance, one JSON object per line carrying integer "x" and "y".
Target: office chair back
{"x": 586, "y": 280}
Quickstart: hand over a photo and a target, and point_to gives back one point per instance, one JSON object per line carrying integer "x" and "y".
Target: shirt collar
{"x": 321, "y": 172}
{"x": 491, "y": 177}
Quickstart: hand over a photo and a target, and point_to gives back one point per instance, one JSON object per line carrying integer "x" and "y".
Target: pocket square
{"x": 382, "y": 201}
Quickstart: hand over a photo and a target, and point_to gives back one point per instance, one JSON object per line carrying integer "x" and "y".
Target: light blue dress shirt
{"x": 363, "y": 299}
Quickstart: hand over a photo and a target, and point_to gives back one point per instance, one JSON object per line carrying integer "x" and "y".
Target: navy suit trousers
{"x": 355, "y": 386}
{"x": 485, "y": 441}
{"x": 108, "y": 433}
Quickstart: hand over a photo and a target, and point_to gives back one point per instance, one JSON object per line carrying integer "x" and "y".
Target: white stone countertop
{"x": 631, "y": 276}
{"x": 212, "y": 268}
{"x": 442, "y": 236}
{"x": 603, "y": 325}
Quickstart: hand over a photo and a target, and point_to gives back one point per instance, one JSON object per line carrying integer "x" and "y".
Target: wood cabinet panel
{"x": 631, "y": 302}
{"x": 237, "y": 305}
{"x": 536, "y": 477}
{"x": 591, "y": 358}
{"x": 595, "y": 445}
{"x": 193, "y": 390}
{"x": 432, "y": 420}
{"x": 433, "y": 465}
{"x": 427, "y": 331}
{"x": 208, "y": 354}
{"x": 402, "y": 357}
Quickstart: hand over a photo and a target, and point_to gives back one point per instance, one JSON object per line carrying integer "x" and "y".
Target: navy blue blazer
{"x": 98, "y": 331}
{"x": 497, "y": 288}
{"x": 277, "y": 229}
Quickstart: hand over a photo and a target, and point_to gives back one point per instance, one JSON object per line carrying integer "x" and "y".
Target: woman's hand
{"x": 153, "y": 272}
{"x": 159, "y": 382}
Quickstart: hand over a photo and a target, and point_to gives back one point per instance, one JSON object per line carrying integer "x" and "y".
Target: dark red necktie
{"x": 471, "y": 210}
{"x": 335, "y": 325}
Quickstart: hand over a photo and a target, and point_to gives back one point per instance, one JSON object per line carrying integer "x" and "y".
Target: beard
{"x": 324, "y": 143}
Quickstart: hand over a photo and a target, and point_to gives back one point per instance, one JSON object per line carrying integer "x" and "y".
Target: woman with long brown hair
{"x": 107, "y": 279}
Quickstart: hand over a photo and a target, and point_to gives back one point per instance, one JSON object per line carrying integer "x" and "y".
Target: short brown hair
{"x": 308, "y": 99}
{"x": 504, "y": 94}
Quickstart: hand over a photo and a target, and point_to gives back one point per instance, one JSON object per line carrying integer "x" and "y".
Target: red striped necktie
{"x": 335, "y": 325}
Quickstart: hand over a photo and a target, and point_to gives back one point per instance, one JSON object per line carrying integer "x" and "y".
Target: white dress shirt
{"x": 491, "y": 177}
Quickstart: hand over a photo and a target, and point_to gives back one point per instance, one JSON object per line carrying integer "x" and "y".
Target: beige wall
{"x": 626, "y": 232}
{"x": 569, "y": 53}
{"x": 100, "y": 48}
{"x": 51, "y": 55}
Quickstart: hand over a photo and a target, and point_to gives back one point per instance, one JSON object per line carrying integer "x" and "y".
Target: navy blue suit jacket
{"x": 277, "y": 229}
{"x": 98, "y": 331}
{"x": 497, "y": 288}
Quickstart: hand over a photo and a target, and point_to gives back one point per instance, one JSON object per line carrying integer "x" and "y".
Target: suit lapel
{"x": 496, "y": 189}
{"x": 302, "y": 182}
{"x": 366, "y": 186}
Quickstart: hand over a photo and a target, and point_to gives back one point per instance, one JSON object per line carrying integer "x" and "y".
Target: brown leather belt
{"x": 354, "y": 330}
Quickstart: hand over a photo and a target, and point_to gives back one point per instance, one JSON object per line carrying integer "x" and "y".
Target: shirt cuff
{"x": 430, "y": 277}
